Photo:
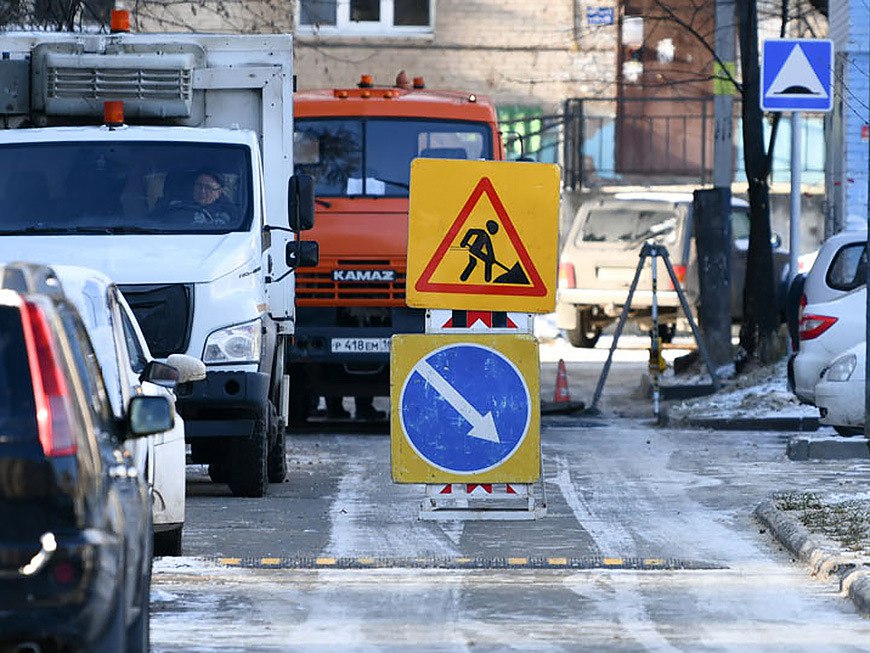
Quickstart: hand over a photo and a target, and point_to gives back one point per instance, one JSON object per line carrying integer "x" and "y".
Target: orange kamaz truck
{"x": 358, "y": 143}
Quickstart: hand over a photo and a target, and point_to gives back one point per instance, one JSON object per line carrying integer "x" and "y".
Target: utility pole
{"x": 712, "y": 208}
{"x": 723, "y": 97}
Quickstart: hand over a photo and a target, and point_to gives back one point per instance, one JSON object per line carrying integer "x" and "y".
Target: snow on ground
{"x": 760, "y": 393}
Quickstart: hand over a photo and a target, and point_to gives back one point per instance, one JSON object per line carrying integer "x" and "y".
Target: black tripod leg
{"x": 701, "y": 344}
{"x": 622, "y": 318}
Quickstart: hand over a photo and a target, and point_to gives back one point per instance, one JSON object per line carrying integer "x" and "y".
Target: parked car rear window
{"x": 616, "y": 225}
{"x": 17, "y": 408}
{"x": 848, "y": 269}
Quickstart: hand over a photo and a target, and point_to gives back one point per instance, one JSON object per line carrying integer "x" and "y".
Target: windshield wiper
{"x": 322, "y": 203}
{"x": 77, "y": 230}
{"x": 400, "y": 184}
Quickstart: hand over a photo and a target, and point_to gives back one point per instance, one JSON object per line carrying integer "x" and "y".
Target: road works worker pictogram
{"x": 482, "y": 252}
{"x": 482, "y": 235}
{"x": 480, "y": 247}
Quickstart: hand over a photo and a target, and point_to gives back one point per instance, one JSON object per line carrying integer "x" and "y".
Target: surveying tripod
{"x": 653, "y": 251}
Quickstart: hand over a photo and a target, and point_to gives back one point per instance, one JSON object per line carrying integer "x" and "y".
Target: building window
{"x": 366, "y": 17}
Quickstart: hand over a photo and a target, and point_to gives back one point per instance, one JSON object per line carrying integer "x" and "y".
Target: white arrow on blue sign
{"x": 465, "y": 408}
{"x": 797, "y": 75}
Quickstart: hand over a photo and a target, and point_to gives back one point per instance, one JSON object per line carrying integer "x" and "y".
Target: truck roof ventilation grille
{"x": 77, "y": 84}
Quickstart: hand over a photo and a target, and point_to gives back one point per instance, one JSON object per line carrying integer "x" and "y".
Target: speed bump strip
{"x": 513, "y": 562}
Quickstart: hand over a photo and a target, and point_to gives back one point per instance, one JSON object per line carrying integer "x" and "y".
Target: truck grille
{"x": 318, "y": 287}
{"x": 165, "y": 315}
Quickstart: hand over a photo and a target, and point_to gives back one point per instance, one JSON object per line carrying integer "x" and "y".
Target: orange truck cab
{"x": 358, "y": 144}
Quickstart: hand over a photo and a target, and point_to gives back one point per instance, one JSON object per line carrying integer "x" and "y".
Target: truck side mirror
{"x": 303, "y": 254}
{"x": 300, "y": 202}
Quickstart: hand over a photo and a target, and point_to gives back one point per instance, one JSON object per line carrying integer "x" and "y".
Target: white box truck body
{"x": 189, "y": 207}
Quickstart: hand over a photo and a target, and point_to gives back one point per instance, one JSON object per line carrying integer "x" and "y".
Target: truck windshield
{"x": 124, "y": 187}
{"x": 352, "y": 157}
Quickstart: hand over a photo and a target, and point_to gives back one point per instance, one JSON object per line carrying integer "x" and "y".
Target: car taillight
{"x": 812, "y": 326}
{"x": 567, "y": 277}
{"x": 50, "y": 391}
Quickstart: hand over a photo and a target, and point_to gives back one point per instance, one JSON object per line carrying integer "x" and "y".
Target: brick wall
{"x": 516, "y": 51}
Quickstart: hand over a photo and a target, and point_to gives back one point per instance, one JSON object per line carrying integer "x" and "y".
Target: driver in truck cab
{"x": 208, "y": 192}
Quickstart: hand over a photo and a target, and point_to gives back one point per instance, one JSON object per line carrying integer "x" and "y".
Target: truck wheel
{"x": 219, "y": 472}
{"x": 300, "y": 407}
{"x": 168, "y": 543}
{"x": 584, "y": 334}
{"x": 277, "y": 452}
{"x": 248, "y": 474}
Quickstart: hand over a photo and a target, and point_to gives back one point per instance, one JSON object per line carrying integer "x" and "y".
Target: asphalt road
{"x": 648, "y": 544}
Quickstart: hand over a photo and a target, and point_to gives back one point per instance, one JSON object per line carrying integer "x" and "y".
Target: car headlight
{"x": 235, "y": 344}
{"x": 842, "y": 368}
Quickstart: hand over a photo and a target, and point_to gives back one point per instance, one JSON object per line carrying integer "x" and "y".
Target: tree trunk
{"x": 760, "y": 309}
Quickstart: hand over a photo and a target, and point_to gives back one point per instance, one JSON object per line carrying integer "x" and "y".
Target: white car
{"x": 826, "y": 330}
{"x": 840, "y": 393}
{"x": 129, "y": 369}
{"x": 838, "y": 267}
{"x": 826, "y": 326}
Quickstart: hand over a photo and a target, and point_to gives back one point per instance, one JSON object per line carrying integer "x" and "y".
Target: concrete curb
{"x": 824, "y": 556}
{"x": 814, "y": 447}
{"x": 799, "y": 424}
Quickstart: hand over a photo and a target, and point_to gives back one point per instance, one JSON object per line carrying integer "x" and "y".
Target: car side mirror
{"x": 300, "y": 202}
{"x": 160, "y": 374}
{"x": 303, "y": 254}
{"x": 189, "y": 368}
{"x": 147, "y": 415}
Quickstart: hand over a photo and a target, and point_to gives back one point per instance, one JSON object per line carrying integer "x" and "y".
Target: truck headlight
{"x": 235, "y": 344}
{"x": 842, "y": 368}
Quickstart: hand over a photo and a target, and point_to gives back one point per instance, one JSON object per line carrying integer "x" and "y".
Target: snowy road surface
{"x": 620, "y": 493}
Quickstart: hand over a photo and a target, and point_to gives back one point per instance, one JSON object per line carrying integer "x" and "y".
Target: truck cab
{"x": 358, "y": 143}
{"x": 164, "y": 161}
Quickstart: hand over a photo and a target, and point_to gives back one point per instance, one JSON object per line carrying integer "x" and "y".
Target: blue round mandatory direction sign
{"x": 465, "y": 408}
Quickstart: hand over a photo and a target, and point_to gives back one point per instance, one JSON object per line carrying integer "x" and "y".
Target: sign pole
{"x": 795, "y": 223}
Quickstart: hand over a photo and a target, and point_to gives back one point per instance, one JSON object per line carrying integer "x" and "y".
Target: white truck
{"x": 190, "y": 208}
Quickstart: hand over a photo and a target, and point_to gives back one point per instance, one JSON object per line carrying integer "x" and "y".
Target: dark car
{"x": 75, "y": 515}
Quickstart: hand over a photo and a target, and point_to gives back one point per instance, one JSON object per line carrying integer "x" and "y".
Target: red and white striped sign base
{"x": 479, "y": 501}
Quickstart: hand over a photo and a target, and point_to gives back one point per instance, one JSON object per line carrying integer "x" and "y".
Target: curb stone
{"x": 824, "y": 556}
{"x": 798, "y": 424}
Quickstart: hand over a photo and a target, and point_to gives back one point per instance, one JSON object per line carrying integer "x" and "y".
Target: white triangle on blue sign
{"x": 796, "y": 78}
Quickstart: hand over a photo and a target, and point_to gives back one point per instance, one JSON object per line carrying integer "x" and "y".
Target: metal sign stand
{"x": 483, "y": 501}
{"x": 479, "y": 501}
{"x": 653, "y": 252}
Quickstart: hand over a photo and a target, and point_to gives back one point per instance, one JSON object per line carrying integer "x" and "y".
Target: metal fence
{"x": 610, "y": 141}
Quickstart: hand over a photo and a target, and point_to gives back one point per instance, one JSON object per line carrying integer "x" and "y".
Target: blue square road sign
{"x": 796, "y": 75}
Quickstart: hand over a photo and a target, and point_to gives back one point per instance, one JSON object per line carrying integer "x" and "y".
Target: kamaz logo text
{"x": 378, "y": 276}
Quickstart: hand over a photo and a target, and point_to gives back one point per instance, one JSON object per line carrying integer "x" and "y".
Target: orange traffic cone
{"x": 561, "y": 395}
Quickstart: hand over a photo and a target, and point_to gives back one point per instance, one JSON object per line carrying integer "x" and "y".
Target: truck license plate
{"x": 360, "y": 345}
